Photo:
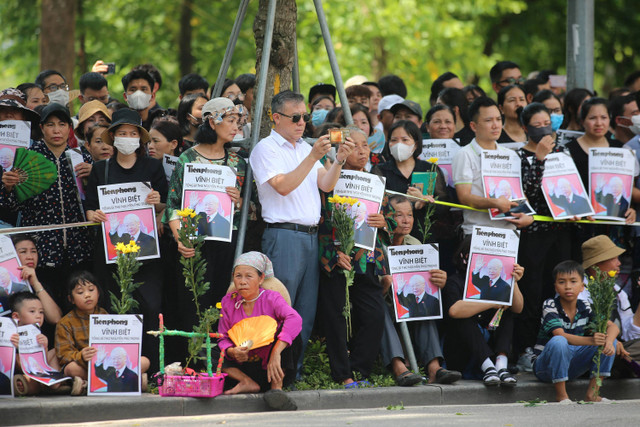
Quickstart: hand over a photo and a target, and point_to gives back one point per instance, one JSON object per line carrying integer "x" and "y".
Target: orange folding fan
{"x": 253, "y": 332}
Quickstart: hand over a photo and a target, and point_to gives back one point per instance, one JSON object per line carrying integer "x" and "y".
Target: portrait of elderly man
{"x": 118, "y": 376}
{"x": 363, "y": 234}
{"x": 413, "y": 296}
{"x": 8, "y": 286}
{"x": 6, "y": 159}
{"x": 211, "y": 222}
{"x": 614, "y": 200}
{"x": 563, "y": 196}
{"x": 131, "y": 224}
{"x": 492, "y": 287}
{"x": 503, "y": 189}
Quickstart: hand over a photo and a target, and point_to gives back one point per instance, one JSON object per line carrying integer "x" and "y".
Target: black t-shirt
{"x": 145, "y": 169}
{"x": 453, "y": 292}
{"x": 464, "y": 136}
{"x": 581, "y": 159}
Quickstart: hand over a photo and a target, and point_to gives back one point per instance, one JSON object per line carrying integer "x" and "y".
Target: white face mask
{"x": 401, "y": 152}
{"x": 126, "y": 145}
{"x": 139, "y": 100}
{"x": 635, "y": 127}
{"x": 59, "y": 96}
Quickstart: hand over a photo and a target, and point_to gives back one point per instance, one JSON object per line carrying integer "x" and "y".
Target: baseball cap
{"x": 389, "y": 101}
{"x": 412, "y": 106}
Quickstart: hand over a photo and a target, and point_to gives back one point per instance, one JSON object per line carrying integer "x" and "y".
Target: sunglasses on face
{"x": 296, "y": 117}
{"x": 512, "y": 81}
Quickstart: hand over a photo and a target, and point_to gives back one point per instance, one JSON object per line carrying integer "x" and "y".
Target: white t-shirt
{"x": 274, "y": 156}
{"x": 467, "y": 170}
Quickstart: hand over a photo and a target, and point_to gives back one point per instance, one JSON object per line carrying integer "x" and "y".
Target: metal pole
{"x": 580, "y": 44}
{"x": 322, "y": 19}
{"x": 256, "y": 120}
{"x": 404, "y": 330}
{"x": 228, "y": 54}
{"x": 295, "y": 75}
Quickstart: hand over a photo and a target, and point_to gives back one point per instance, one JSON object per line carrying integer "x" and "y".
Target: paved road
{"x": 622, "y": 413}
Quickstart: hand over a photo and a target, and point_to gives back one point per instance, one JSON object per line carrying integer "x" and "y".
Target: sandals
{"x": 20, "y": 385}
{"x": 491, "y": 377}
{"x": 506, "y": 378}
{"x": 358, "y": 384}
{"x": 79, "y": 387}
{"x": 445, "y": 376}
{"x": 408, "y": 379}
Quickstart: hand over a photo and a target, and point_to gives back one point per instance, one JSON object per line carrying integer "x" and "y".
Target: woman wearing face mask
{"x": 130, "y": 163}
{"x": 190, "y": 117}
{"x": 553, "y": 104}
{"x": 543, "y": 244}
{"x": 222, "y": 119}
{"x": 405, "y": 146}
{"x": 320, "y": 107}
{"x": 510, "y": 99}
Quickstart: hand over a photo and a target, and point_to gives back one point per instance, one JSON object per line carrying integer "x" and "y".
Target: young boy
{"x": 563, "y": 352}
{"x": 27, "y": 309}
{"x": 72, "y": 332}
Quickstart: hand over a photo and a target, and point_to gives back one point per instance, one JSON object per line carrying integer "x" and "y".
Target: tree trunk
{"x": 185, "y": 58}
{"x": 57, "y": 36}
{"x": 282, "y": 53}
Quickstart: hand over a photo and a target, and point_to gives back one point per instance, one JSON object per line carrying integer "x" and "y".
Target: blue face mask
{"x": 318, "y": 116}
{"x": 556, "y": 121}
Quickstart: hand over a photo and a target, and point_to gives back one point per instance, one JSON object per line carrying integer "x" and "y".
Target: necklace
{"x": 242, "y": 301}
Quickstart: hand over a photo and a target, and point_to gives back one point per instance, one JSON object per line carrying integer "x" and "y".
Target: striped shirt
{"x": 72, "y": 335}
{"x": 554, "y": 317}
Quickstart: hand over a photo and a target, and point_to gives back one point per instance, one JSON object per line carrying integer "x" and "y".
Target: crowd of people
{"x": 544, "y": 329}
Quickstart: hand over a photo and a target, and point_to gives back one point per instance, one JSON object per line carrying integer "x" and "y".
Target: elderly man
{"x": 413, "y": 297}
{"x": 131, "y": 223}
{"x": 9, "y": 287}
{"x": 564, "y": 198}
{"x": 211, "y": 223}
{"x": 119, "y": 378}
{"x": 492, "y": 286}
{"x": 6, "y": 159}
{"x": 363, "y": 234}
{"x": 615, "y": 202}
{"x": 288, "y": 174}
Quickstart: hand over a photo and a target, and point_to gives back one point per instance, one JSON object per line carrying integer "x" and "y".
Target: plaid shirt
{"x": 554, "y": 317}
{"x": 72, "y": 335}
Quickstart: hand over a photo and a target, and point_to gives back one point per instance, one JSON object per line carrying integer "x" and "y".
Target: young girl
{"x": 72, "y": 332}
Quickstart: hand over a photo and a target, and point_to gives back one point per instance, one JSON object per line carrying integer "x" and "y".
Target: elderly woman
{"x": 270, "y": 366}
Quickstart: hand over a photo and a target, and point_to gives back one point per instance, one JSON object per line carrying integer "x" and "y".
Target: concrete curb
{"x": 67, "y": 409}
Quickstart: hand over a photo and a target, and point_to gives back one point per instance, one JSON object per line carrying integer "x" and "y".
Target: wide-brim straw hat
{"x": 88, "y": 110}
{"x": 598, "y": 249}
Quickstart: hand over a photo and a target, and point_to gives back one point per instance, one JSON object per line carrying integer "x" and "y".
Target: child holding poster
{"x": 468, "y": 324}
{"x": 72, "y": 333}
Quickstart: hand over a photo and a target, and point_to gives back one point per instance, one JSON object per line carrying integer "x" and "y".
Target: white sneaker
{"x": 525, "y": 361}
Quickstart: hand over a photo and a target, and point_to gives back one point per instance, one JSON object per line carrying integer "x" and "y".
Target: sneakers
{"x": 79, "y": 387}
{"x": 525, "y": 361}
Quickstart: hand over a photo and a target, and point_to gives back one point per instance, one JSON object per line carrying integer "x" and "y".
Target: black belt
{"x": 311, "y": 229}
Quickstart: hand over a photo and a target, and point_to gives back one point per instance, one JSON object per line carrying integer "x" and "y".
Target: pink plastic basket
{"x": 201, "y": 385}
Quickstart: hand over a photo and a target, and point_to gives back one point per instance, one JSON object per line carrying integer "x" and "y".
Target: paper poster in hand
{"x": 115, "y": 369}
{"x": 444, "y": 150}
{"x": 611, "y": 173}
{"x": 33, "y": 357}
{"x": 169, "y": 164}
{"x": 204, "y": 191}
{"x": 414, "y": 296}
{"x": 369, "y": 190}
{"x": 13, "y": 134}
{"x": 74, "y": 158}
{"x": 129, "y": 218}
{"x": 10, "y": 274}
{"x": 501, "y": 177}
{"x": 562, "y": 188}
{"x": 493, "y": 254}
{"x": 7, "y": 356}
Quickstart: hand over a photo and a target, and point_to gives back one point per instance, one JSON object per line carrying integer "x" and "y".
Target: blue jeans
{"x": 561, "y": 361}
{"x": 294, "y": 255}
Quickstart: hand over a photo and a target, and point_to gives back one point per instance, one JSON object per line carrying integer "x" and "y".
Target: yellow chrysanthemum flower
{"x": 612, "y": 273}
{"x": 186, "y": 212}
{"x": 590, "y": 277}
{"x": 218, "y": 305}
{"x": 332, "y": 199}
{"x": 120, "y": 247}
{"x": 432, "y": 160}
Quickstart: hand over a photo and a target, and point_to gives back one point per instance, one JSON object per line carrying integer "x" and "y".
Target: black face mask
{"x": 536, "y": 134}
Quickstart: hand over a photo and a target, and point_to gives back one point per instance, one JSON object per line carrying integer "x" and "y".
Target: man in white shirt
{"x": 288, "y": 174}
{"x": 486, "y": 122}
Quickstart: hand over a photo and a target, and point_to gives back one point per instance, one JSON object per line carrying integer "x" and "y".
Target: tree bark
{"x": 282, "y": 54}
{"x": 185, "y": 58}
{"x": 57, "y": 37}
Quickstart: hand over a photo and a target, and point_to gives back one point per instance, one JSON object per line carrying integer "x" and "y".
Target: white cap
{"x": 389, "y": 101}
{"x": 355, "y": 80}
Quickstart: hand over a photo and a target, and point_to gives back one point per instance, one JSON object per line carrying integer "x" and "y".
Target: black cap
{"x": 55, "y": 109}
{"x": 322, "y": 88}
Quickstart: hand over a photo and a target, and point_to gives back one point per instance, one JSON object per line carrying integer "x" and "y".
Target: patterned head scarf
{"x": 216, "y": 108}
{"x": 257, "y": 260}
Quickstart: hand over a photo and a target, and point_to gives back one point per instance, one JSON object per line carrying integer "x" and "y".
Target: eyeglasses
{"x": 54, "y": 87}
{"x": 512, "y": 81}
{"x": 296, "y": 117}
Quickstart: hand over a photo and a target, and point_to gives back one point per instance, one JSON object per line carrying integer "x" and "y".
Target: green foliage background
{"x": 416, "y": 39}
